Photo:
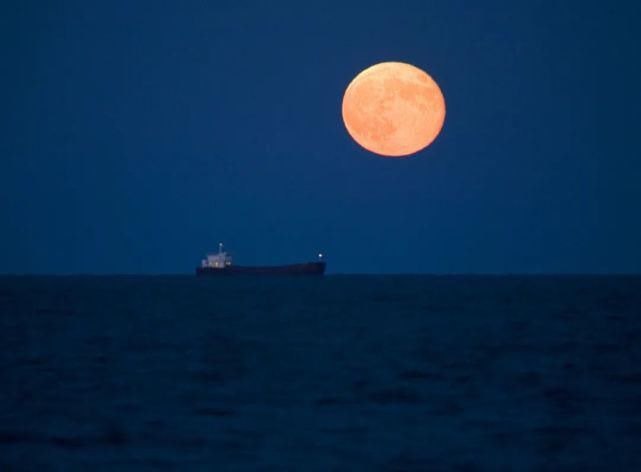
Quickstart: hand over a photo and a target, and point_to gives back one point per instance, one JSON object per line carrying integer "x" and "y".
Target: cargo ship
{"x": 221, "y": 264}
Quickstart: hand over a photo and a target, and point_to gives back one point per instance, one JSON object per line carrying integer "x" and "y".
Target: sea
{"x": 342, "y": 372}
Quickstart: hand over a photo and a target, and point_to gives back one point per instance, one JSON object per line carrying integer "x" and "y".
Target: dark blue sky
{"x": 137, "y": 135}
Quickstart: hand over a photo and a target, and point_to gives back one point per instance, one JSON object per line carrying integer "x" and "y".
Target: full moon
{"x": 393, "y": 109}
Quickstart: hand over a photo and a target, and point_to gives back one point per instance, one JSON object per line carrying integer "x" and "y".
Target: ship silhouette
{"x": 221, "y": 264}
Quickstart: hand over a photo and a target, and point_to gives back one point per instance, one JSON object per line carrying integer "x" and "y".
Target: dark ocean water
{"x": 335, "y": 373}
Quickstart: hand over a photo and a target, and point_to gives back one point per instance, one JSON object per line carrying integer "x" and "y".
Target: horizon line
{"x": 331, "y": 274}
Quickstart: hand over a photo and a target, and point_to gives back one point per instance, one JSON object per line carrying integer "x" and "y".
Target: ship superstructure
{"x": 217, "y": 261}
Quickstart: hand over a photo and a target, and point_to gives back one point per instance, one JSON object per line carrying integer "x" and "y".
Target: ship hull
{"x": 309, "y": 268}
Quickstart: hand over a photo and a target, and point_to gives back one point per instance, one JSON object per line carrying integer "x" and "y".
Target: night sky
{"x": 137, "y": 135}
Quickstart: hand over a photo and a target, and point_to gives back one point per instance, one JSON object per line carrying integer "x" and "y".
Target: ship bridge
{"x": 217, "y": 261}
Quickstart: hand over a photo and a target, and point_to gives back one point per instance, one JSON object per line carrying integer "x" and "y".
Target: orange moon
{"x": 393, "y": 109}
